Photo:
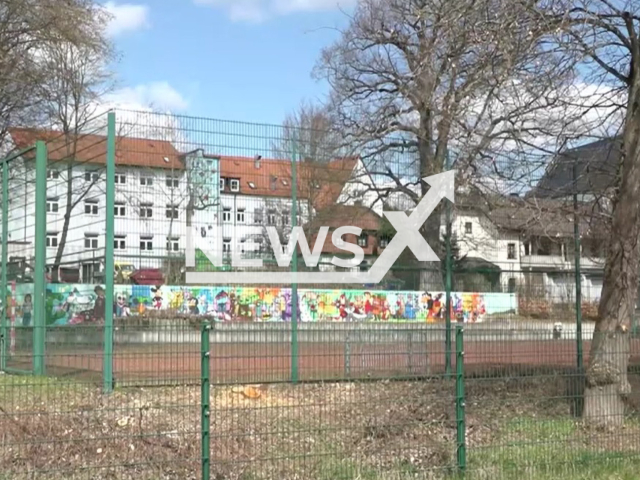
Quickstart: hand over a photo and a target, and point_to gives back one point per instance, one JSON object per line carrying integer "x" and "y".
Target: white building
{"x": 532, "y": 243}
{"x": 529, "y": 244}
{"x": 158, "y": 192}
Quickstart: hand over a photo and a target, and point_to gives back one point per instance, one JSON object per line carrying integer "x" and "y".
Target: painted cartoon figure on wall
{"x": 122, "y": 306}
{"x": 27, "y": 308}
{"x": 223, "y": 306}
{"x": 157, "y": 297}
{"x": 193, "y": 304}
{"x": 73, "y": 304}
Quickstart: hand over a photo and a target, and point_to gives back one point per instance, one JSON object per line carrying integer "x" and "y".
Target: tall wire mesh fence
{"x": 118, "y": 365}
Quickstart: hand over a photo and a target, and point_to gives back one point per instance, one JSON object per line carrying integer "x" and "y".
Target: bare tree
{"x": 309, "y": 134}
{"x": 414, "y": 82}
{"x": 603, "y": 36}
{"x": 26, "y": 26}
{"x": 78, "y": 78}
{"x": 277, "y": 214}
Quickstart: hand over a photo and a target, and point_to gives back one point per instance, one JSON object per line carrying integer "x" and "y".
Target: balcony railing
{"x": 561, "y": 262}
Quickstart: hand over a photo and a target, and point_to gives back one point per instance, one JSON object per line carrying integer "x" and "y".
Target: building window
{"x": 146, "y": 210}
{"x": 120, "y": 178}
{"x": 221, "y": 184}
{"x": 363, "y": 239}
{"x": 53, "y": 174}
{"x": 90, "y": 240}
{"x": 146, "y": 181}
{"x": 226, "y": 245}
{"x": 91, "y": 176}
{"x": 91, "y": 207}
{"x": 511, "y": 286}
{"x": 119, "y": 242}
{"x": 51, "y": 240}
{"x": 234, "y": 184}
{"x": 240, "y": 215}
{"x": 384, "y": 242}
{"x": 271, "y": 217}
{"x": 257, "y": 216}
{"x": 511, "y": 251}
{"x": 52, "y": 205}
{"x": 226, "y": 215}
{"x": 173, "y": 244}
{"x": 172, "y": 181}
{"x": 119, "y": 209}
{"x": 468, "y": 228}
{"x": 146, "y": 243}
{"x": 172, "y": 211}
{"x": 286, "y": 218}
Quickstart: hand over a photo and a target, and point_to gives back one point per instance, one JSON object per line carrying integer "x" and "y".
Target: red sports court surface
{"x": 264, "y": 362}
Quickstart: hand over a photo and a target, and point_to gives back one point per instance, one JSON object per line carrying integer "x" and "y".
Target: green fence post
{"x": 5, "y": 256}
{"x": 347, "y": 357}
{"x": 294, "y": 269}
{"x": 578, "y": 277}
{"x": 205, "y": 399}
{"x": 39, "y": 301}
{"x": 448, "y": 266}
{"x": 110, "y": 188}
{"x": 461, "y": 450}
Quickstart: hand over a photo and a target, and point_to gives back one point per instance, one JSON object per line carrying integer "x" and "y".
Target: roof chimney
{"x": 256, "y": 161}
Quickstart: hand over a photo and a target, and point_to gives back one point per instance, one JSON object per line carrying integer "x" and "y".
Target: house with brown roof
{"x": 337, "y": 216}
{"x": 160, "y": 192}
{"x": 531, "y": 242}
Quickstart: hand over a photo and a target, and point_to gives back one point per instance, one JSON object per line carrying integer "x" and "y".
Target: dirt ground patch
{"x": 58, "y": 429}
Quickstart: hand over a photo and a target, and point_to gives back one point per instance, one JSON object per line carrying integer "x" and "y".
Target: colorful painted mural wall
{"x": 73, "y": 304}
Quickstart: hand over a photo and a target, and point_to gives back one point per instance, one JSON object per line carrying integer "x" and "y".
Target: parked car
{"x": 147, "y": 276}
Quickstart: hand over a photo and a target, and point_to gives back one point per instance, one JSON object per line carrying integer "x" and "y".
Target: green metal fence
{"x": 116, "y": 367}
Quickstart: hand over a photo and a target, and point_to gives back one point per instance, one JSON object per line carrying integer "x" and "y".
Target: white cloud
{"x": 126, "y": 17}
{"x": 291, "y": 6}
{"x": 156, "y": 95}
{"x": 144, "y": 111}
{"x": 255, "y": 11}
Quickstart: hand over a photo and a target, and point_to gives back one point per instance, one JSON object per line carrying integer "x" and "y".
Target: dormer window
{"x": 273, "y": 182}
{"x": 234, "y": 185}
{"x": 221, "y": 184}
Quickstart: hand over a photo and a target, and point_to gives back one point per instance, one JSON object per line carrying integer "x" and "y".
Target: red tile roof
{"x": 322, "y": 183}
{"x": 137, "y": 152}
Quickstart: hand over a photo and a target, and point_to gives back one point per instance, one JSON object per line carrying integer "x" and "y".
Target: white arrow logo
{"x": 407, "y": 235}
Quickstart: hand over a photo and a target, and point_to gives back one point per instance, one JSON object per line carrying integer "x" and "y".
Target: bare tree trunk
{"x": 190, "y": 213}
{"x": 431, "y": 272}
{"x": 65, "y": 227}
{"x": 606, "y": 377}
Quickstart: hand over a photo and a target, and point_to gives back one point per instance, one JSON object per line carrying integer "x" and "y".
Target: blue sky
{"x": 247, "y": 60}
